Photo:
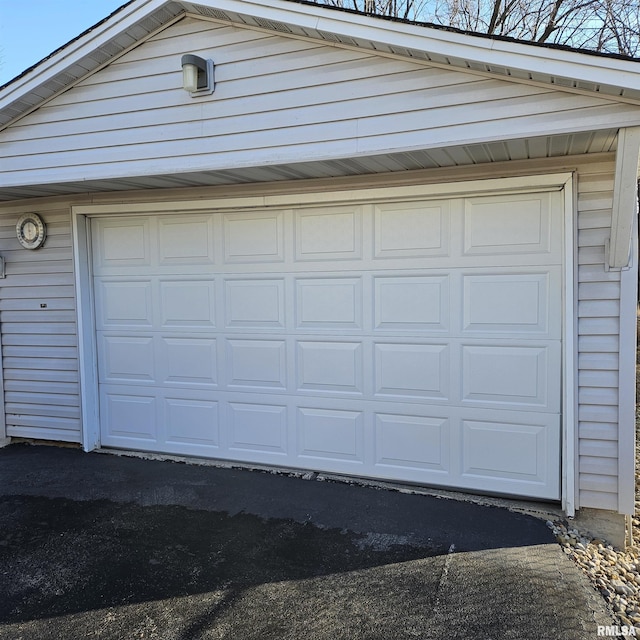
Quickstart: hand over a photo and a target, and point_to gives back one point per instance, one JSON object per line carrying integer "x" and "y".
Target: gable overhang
{"x": 570, "y": 70}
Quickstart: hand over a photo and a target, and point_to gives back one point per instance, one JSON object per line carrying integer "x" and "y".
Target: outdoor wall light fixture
{"x": 197, "y": 75}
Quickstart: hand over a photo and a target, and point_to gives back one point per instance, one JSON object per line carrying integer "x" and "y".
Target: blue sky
{"x": 31, "y": 29}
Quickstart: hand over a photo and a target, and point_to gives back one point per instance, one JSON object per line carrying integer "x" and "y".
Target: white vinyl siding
{"x": 598, "y": 343}
{"x": 39, "y": 343}
{"x": 133, "y": 115}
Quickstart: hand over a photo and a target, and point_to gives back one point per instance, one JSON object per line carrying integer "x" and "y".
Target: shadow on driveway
{"x": 95, "y": 546}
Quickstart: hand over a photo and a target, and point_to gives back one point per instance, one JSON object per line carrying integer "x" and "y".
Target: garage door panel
{"x": 507, "y": 303}
{"x": 190, "y": 421}
{"x": 124, "y": 304}
{"x": 330, "y": 367}
{"x": 514, "y": 225}
{"x": 187, "y": 303}
{"x": 505, "y": 450}
{"x": 254, "y": 237}
{"x": 188, "y": 361}
{"x": 413, "y": 442}
{"x": 410, "y": 230}
{"x": 329, "y": 303}
{"x": 127, "y": 359}
{"x": 123, "y": 242}
{"x": 409, "y": 303}
{"x": 521, "y": 377}
{"x": 330, "y": 434}
{"x": 412, "y": 370}
{"x": 254, "y": 303}
{"x": 186, "y": 240}
{"x": 128, "y": 418}
{"x": 256, "y": 363}
{"x": 257, "y": 427}
{"x": 329, "y": 233}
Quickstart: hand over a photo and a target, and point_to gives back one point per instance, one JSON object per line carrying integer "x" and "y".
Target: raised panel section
{"x": 420, "y": 442}
{"x": 127, "y": 358}
{"x": 518, "y": 224}
{"x": 512, "y": 375}
{"x": 256, "y": 363}
{"x": 187, "y": 303}
{"x": 506, "y": 303}
{"x": 417, "y": 370}
{"x": 123, "y": 243}
{"x": 128, "y": 416}
{"x": 254, "y": 303}
{"x": 512, "y": 452}
{"x": 331, "y": 434}
{"x": 329, "y": 303}
{"x": 328, "y": 234}
{"x": 190, "y": 361}
{"x": 411, "y": 229}
{"x": 186, "y": 240}
{"x": 330, "y": 366}
{"x": 258, "y": 427}
{"x": 411, "y": 303}
{"x": 253, "y": 237}
{"x": 125, "y": 304}
{"x": 192, "y": 421}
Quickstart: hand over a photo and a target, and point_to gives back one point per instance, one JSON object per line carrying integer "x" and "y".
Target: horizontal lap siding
{"x": 39, "y": 345}
{"x": 598, "y": 343}
{"x": 277, "y": 99}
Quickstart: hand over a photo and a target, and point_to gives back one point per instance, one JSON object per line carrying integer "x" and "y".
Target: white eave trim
{"x": 450, "y": 44}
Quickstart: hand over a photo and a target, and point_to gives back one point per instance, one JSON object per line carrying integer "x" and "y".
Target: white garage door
{"x": 416, "y": 341}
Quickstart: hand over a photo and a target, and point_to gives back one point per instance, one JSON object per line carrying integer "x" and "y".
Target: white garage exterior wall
{"x": 132, "y": 121}
{"x": 36, "y": 386}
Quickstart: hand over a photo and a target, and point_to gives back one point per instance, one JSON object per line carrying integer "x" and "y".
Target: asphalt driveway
{"x": 108, "y": 547}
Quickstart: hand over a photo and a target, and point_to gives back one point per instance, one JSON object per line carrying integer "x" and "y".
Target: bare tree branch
{"x": 600, "y": 25}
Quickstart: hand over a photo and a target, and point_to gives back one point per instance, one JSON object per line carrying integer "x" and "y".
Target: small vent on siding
{"x": 211, "y": 13}
{"x": 562, "y": 82}
{"x": 273, "y": 25}
{"x": 331, "y": 37}
{"x": 98, "y": 56}
{"x": 148, "y": 25}
{"x": 334, "y": 37}
{"x": 50, "y": 87}
{"x": 400, "y": 51}
{"x": 165, "y": 13}
{"x": 350, "y": 41}
{"x": 588, "y": 86}
{"x": 112, "y": 48}
{"x": 498, "y": 70}
{"x": 65, "y": 78}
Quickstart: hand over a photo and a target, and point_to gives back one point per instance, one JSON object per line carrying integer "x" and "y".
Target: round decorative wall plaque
{"x": 31, "y": 231}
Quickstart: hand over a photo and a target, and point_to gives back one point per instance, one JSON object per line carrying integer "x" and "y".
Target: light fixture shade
{"x": 197, "y": 75}
{"x": 190, "y": 77}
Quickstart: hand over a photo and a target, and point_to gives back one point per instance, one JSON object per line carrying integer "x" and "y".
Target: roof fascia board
{"x": 521, "y": 56}
{"x": 76, "y": 50}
